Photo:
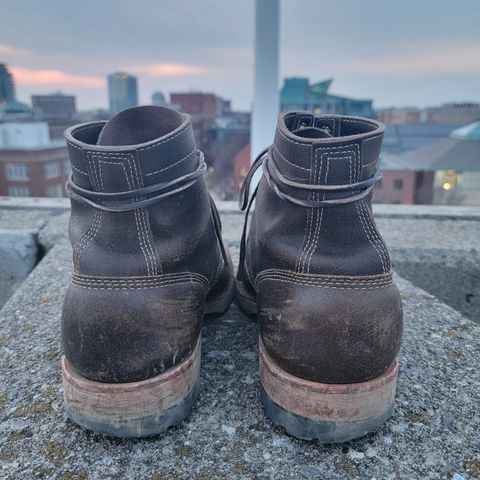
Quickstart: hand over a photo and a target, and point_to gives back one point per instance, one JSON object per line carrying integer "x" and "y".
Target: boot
{"x": 148, "y": 263}
{"x": 315, "y": 270}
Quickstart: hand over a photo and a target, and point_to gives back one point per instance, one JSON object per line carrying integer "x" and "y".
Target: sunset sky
{"x": 409, "y": 52}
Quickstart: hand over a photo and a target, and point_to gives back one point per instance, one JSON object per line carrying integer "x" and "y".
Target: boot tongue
{"x": 139, "y": 125}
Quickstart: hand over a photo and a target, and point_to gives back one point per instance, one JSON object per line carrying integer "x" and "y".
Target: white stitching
{"x": 368, "y": 164}
{"x": 364, "y": 218}
{"x": 369, "y": 220}
{"x": 292, "y": 141}
{"x": 318, "y": 217}
{"x": 90, "y": 278}
{"x": 166, "y": 140}
{"x": 376, "y": 236}
{"x": 146, "y": 229}
{"x": 363, "y": 221}
{"x": 309, "y": 223}
{"x": 86, "y": 238}
{"x": 93, "y": 228}
{"x": 131, "y": 186}
{"x": 372, "y": 138}
{"x": 319, "y": 210}
{"x": 73, "y": 145}
{"x": 317, "y": 236}
{"x": 305, "y": 239}
{"x": 380, "y": 277}
{"x": 172, "y": 165}
{"x": 369, "y": 234}
{"x": 340, "y": 287}
{"x": 290, "y": 163}
{"x": 139, "y": 282}
{"x": 313, "y": 282}
{"x": 107, "y": 286}
{"x": 326, "y": 278}
{"x": 360, "y": 122}
{"x": 78, "y": 170}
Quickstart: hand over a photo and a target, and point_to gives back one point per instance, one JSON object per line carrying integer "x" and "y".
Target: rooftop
{"x": 434, "y": 432}
{"x": 468, "y": 132}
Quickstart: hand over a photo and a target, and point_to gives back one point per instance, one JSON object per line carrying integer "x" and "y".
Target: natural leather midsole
{"x": 126, "y": 401}
{"x": 329, "y": 402}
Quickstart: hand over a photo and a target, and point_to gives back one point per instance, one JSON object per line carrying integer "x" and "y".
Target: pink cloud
{"x": 10, "y": 52}
{"x": 168, "y": 69}
{"x": 55, "y": 78}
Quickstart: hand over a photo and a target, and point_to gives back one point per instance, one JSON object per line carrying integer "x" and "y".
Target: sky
{"x": 399, "y": 53}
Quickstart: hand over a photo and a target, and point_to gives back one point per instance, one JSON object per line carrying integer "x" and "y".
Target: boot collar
{"x": 111, "y": 168}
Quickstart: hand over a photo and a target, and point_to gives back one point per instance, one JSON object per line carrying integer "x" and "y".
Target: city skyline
{"x": 390, "y": 55}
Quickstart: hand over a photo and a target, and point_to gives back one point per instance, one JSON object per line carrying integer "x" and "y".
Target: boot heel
{"x": 135, "y": 409}
{"x": 330, "y": 413}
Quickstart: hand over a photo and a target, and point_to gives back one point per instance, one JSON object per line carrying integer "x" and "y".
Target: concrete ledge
{"x": 18, "y": 256}
{"x": 433, "y": 434}
{"x": 32, "y": 203}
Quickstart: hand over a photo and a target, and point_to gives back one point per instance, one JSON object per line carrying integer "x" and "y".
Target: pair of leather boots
{"x": 149, "y": 263}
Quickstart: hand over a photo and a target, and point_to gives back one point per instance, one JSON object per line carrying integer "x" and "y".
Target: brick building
{"x": 31, "y": 165}
{"x": 204, "y": 109}
{"x": 402, "y": 183}
{"x": 399, "y": 116}
{"x": 241, "y": 166}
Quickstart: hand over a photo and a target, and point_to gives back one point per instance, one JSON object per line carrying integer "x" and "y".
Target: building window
{"x": 17, "y": 171}
{"x": 55, "y": 190}
{"x": 18, "y": 191}
{"x": 398, "y": 184}
{"x": 52, "y": 170}
{"x": 66, "y": 167}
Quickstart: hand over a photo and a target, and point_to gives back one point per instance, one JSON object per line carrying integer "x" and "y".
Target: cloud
{"x": 427, "y": 58}
{"x": 10, "y": 52}
{"x": 169, "y": 70}
{"x": 55, "y": 78}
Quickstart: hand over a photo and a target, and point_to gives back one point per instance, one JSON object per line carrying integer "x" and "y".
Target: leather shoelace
{"x": 279, "y": 183}
{"x": 134, "y": 199}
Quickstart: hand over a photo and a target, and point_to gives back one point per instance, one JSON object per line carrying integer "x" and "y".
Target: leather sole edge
{"x": 134, "y": 409}
{"x": 329, "y": 413}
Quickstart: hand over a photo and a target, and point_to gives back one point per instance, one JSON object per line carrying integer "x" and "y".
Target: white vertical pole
{"x": 266, "y": 101}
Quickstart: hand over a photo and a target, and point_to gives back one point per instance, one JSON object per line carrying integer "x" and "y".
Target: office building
{"x": 7, "y": 85}
{"x": 122, "y": 91}
{"x": 457, "y": 113}
{"x": 298, "y": 94}
{"x": 158, "y": 98}
{"x": 55, "y": 105}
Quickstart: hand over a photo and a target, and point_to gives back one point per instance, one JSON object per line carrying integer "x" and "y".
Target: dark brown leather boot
{"x": 149, "y": 262}
{"x": 315, "y": 270}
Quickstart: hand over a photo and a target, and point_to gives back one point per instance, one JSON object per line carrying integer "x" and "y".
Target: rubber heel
{"x": 136, "y": 409}
{"x": 329, "y": 413}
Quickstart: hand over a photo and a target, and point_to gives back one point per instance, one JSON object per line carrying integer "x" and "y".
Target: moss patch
{"x": 74, "y": 476}
{"x": 44, "y": 472}
{"x": 33, "y": 409}
{"x": 185, "y": 452}
{"x": 162, "y": 476}
{"x": 473, "y": 468}
{"x": 8, "y": 455}
{"x": 55, "y": 452}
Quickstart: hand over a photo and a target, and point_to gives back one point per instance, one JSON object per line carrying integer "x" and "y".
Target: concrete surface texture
{"x": 18, "y": 256}
{"x": 434, "y": 433}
